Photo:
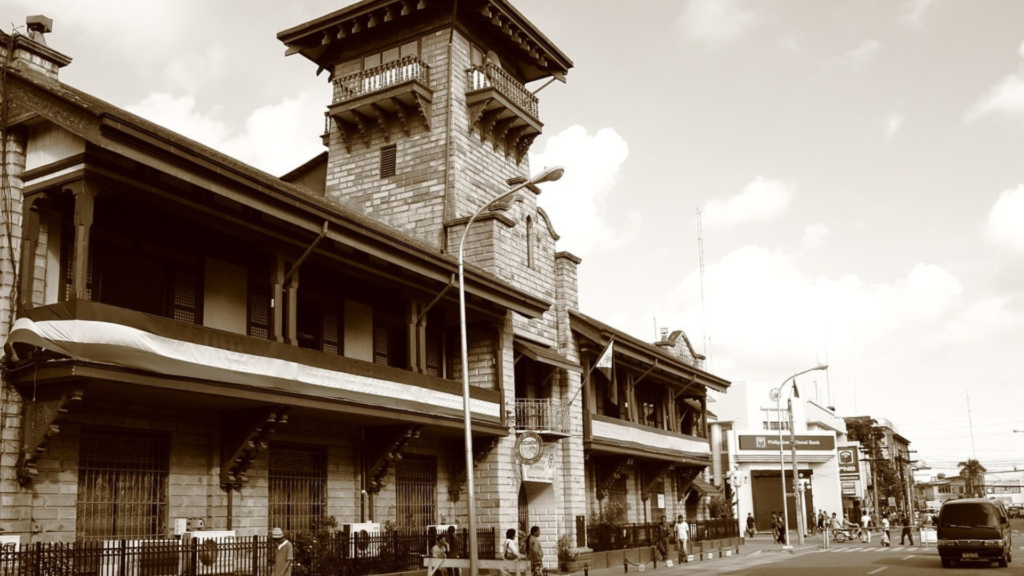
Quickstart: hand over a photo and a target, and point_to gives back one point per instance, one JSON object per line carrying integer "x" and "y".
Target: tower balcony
{"x": 502, "y": 109}
{"x": 545, "y": 416}
{"x": 385, "y": 97}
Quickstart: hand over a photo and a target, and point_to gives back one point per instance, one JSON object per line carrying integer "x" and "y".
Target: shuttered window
{"x": 185, "y": 296}
{"x": 388, "y": 160}
{"x": 389, "y": 341}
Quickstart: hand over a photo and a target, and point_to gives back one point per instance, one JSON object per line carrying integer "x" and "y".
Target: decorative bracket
{"x": 684, "y": 477}
{"x": 42, "y": 422}
{"x": 385, "y": 451}
{"x": 458, "y": 473}
{"x": 244, "y": 433}
{"x": 605, "y": 484}
{"x": 652, "y": 475}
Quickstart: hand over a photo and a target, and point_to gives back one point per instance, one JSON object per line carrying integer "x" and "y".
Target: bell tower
{"x": 431, "y": 117}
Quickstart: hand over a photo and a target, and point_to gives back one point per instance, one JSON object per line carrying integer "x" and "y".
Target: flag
{"x": 604, "y": 363}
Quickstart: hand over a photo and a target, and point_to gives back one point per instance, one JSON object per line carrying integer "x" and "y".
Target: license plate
{"x": 970, "y": 555}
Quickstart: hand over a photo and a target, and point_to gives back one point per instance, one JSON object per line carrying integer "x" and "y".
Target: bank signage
{"x": 768, "y": 442}
{"x": 849, "y": 460}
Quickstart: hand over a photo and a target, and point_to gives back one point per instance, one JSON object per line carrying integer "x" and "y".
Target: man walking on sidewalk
{"x": 683, "y": 538}
{"x": 907, "y": 532}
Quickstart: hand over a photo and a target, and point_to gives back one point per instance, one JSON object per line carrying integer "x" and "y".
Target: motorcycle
{"x": 841, "y": 535}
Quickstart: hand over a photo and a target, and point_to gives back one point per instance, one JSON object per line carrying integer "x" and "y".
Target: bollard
{"x": 586, "y": 570}
{"x": 654, "y": 563}
{"x": 625, "y": 566}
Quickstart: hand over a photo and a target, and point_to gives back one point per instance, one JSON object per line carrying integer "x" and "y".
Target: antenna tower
{"x": 703, "y": 316}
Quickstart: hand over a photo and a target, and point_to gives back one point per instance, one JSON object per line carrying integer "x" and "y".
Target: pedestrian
{"x": 283, "y": 555}
{"x": 510, "y": 551}
{"x": 683, "y": 539}
{"x": 751, "y": 528}
{"x": 907, "y": 532}
{"x": 664, "y": 535}
{"x": 886, "y": 536}
{"x": 835, "y": 523}
{"x": 534, "y": 552}
{"x": 865, "y": 522}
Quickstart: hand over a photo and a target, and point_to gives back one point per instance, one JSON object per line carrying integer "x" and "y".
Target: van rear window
{"x": 969, "y": 515}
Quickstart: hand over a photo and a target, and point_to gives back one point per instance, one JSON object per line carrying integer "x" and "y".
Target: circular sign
{"x": 529, "y": 448}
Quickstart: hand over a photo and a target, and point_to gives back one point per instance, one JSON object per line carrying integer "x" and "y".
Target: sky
{"x": 857, "y": 166}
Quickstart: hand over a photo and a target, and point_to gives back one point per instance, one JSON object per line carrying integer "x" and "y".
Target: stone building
{"x": 191, "y": 338}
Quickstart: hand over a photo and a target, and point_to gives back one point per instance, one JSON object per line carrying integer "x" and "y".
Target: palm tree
{"x": 971, "y": 471}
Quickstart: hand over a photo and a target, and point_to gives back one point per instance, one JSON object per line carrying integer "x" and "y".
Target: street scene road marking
{"x": 877, "y": 570}
{"x": 905, "y": 558}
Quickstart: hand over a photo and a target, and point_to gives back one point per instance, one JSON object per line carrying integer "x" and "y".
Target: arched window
{"x": 529, "y": 241}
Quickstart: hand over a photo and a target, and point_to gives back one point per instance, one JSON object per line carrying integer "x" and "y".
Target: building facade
{"x": 192, "y": 340}
{"x": 753, "y": 428}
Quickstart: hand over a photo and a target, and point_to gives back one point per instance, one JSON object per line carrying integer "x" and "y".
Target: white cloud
{"x": 761, "y": 199}
{"x": 892, "y": 124}
{"x": 914, "y": 12}
{"x": 864, "y": 53}
{"x": 1005, "y": 98}
{"x": 189, "y": 72}
{"x": 1005, "y": 225}
{"x": 766, "y": 316}
{"x": 815, "y": 235}
{"x": 790, "y": 43}
{"x": 276, "y": 138}
{"x": 577, "y": 202}
{"x": 715, "y": 21}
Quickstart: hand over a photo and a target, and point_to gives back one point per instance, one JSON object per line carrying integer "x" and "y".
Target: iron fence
{"x": 601, "y": 538}
{"x": 316, "y": 554}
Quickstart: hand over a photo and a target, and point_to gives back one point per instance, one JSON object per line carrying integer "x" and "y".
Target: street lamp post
{"x": 776, "y": 394}
{"x": 547, "y": 175}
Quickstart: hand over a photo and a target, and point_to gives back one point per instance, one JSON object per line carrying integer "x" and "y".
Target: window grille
{"x": 524, "y": 513}
{"x": 388, "y": 161}
{"x": 67, "y": 262}
{"x": 122, "y": 486}
{"x": 416, "y": 492}
{"x": 297, "y": 491}
{"x": 185, "y": 297}
{"x": 258, "y": 311}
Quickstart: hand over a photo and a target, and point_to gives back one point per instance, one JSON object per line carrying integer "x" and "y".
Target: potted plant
{"x": 568, "y": 555}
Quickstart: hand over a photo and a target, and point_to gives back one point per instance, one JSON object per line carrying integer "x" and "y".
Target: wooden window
{"x": 258, "y": 310}
{"x": 319, "y": 328}
{"x": 186, "y": 296}
{"x": 297, "y": 486}
{"x": 388, "y": 161}
{"x": 390, "y": 343}
{"x": 122, "y": 485}
{"x": 415, "y": 492}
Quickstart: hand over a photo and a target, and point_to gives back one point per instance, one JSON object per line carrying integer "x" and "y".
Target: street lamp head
{"x": 548, "y": 175}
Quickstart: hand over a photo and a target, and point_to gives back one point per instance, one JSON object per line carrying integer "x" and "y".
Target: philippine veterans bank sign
{"x": 770, "y": 442}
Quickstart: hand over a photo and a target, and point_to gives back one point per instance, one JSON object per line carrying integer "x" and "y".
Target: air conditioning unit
{"x": 217, "y": 553}
{"x": 360, "y": 542}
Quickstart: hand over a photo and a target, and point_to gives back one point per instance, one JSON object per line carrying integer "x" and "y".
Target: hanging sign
{"x": 543, "y": 470}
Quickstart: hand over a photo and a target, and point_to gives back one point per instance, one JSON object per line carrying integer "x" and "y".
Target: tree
{"x": 972, "y": 472}
{"x": 887, "y": 479}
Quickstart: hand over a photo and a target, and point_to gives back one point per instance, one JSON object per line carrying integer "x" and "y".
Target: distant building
{"x": 747, "y": 458}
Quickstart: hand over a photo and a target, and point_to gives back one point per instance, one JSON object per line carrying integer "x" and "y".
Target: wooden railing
{"x": 491, "y": 75}
{"x": 383, "y": 76}
{"x": 541, "y": 415}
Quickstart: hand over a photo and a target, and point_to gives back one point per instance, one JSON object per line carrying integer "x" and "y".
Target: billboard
{"x": 849, "y": 460}
{"x": 769, "y": 442}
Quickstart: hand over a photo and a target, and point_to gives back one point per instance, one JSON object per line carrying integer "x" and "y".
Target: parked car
{"x": 974, "y": 529}
{"x": 1015, "y": 511}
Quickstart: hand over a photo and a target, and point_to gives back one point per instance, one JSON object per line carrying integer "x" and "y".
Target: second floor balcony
{"x": 545, "y": 416}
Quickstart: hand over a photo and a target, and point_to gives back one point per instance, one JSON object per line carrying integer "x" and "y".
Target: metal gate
{"x": 416, "y": 492}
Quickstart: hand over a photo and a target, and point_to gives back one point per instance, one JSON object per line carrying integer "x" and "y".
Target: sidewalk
{"x": 762, "y": 543}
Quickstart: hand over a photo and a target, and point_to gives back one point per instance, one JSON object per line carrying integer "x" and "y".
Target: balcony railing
{"x": 391, "y": 74}
{"x": 542, "y": 415}
{"x": 492, "y": 76}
